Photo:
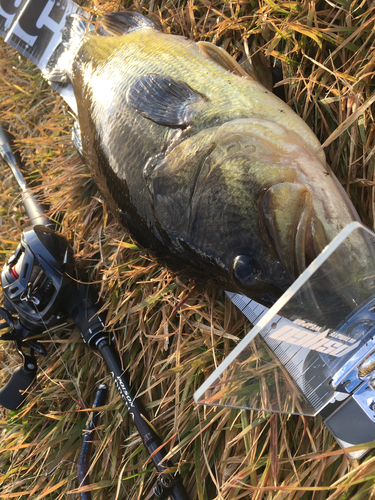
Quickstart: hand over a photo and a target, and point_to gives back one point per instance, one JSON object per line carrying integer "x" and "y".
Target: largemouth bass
{"x": 201, "y": 163}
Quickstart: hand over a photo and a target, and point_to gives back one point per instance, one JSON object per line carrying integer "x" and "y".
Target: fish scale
{"x": 204, "y": 166}
{"x": 230, "y": 96}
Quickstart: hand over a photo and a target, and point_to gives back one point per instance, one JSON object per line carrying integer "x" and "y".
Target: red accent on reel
{"x": 14, "y": 273}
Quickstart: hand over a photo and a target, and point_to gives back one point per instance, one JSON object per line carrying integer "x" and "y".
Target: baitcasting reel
{"x": 40, "y": 290}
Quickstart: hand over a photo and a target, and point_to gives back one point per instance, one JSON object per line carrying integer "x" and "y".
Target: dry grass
{"x": 171, "y": 333}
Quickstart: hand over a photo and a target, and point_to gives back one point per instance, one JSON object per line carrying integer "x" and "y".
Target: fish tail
{"x": 58, "y": 68}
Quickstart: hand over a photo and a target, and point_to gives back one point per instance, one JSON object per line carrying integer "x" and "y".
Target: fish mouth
{"x": 295, "y": 232}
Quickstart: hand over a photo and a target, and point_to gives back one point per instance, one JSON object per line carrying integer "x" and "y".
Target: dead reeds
{"x": 173, "y": 333}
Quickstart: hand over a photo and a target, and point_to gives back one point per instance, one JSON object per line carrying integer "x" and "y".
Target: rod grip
{"x": 13, "y": 394}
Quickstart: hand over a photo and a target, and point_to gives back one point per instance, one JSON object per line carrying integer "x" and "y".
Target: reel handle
{"x": 14, "y": 393}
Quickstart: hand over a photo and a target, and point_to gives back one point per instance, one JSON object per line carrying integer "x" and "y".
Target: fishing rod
{"x": 34, "y": 210}
{"x": 41, "y": 289}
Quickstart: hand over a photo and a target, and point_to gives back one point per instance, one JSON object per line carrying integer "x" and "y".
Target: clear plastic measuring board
{"x": 314, "y": 350}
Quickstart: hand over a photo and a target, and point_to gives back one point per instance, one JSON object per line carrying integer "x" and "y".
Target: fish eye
{"x": 246, "y": 272}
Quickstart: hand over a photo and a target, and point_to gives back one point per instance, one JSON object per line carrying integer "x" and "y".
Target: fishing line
{"x": 58, "y": 465}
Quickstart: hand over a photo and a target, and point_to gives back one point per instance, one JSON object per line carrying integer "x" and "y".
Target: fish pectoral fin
{"x": 164, "y": 100}
{"x": 221, "y": 56}
{"x": 120, "y": 23}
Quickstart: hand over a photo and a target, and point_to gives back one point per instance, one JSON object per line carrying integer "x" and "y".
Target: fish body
{"x": 201, "y": 163}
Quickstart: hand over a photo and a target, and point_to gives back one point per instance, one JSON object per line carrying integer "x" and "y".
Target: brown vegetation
{"x": 172, "y": 334}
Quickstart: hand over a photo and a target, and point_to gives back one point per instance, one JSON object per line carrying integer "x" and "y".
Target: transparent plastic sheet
{"x": 296, "y": 358}
{"x": 33, "y": 28}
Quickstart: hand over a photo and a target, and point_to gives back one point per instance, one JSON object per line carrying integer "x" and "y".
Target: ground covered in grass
{"x": 172, "y": 333}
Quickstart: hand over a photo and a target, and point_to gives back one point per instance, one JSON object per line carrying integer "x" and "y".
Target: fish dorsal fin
{"x": 221, "y": 56}
{"x": 164, "y": 100}
{"x": 120, "y": 23}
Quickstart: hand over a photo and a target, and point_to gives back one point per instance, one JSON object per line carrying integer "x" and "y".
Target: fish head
{"x": 297, "y": 202}
{"x": 251, "y": 201}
